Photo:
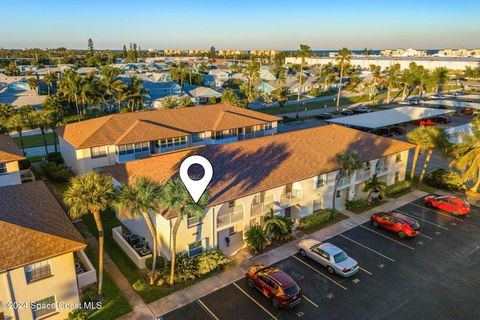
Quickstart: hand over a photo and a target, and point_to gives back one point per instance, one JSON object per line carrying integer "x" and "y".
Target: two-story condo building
{"x": 41, "y": 258}
{"x": 292, "y": 173}
{"x": 108, "y": 140}
{"x": 10, "y": 154}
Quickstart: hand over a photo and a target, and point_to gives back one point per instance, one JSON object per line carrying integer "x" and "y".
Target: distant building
{"x": 10, "y": 155}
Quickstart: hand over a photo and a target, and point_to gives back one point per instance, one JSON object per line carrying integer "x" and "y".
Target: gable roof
{"x": 9, "y": 150}
{"x": 160, "y": 124}
{"x": 33, "y": 226}
{"x": 251, "y": 166}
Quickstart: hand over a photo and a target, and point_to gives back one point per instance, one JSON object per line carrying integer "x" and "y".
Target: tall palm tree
{"x": 369, "y": 89}
{"x": 373, "y": 184}
{"x": 305, "y": 51}
{"x": 16, "y": 122}
{"x": 184, "y": 102}
{"x": 392, "y": 79}
{"x": 427, "y": 138}
{"x": 349, "y": 162}
{"x": 423, "y": 76}
{"x": 252, "y": 73}
{"x": 406, "y": 79}
{"x": 135, "y": 94}
{"x": 176, "y": 198}
{"x": 91, "y": 193}
{"x": 54, "y": 113}
{"x": 49, "y": 78}
{"x": 141, "y": 199}
{"x": 343, "y": 59}
{"x": 6, "y": 111}
{"x": 33, "y": 84}
{"x": 230, "y": 97}
{"x": 280, "y": 95}
{"x": 39, "y": 120}
{"x": 70, "y": 87}
{"x": 111, "y": 85}
{"x": 169, "y": 102}
{"x": 439, "y": 77}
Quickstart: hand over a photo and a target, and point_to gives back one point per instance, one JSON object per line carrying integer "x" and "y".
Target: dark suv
{"x": 275, "y": 285}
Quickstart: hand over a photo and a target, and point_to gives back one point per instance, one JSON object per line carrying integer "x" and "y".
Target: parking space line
{"x": 364, "y": 246}
{"x": 443, "y": 214}
{"x": 314, "y": 304}
{"x": 366, "y": 271}
{"x": 338, "y": 284}
{"x": 402, "y": 244}
{"x": 207, "y": 310}
{"x": 256, "y": 302}
{"x": 425, "y": 236}
{"x": 416, "y": 218}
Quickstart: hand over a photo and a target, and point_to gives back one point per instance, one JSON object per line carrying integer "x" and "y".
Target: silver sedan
{"x": 329, "y": 256}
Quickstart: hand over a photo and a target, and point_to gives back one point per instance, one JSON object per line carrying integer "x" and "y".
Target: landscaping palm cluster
{"x": 274, "y": 227}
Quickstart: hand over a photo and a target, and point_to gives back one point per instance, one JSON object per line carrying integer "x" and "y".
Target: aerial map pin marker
{"x": 196, "y": 187}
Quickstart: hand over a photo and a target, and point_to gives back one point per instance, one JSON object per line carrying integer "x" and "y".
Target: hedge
{"x": 398, "y": 187}
{"x": 317, "y": 218}
{"x": 444, "y": 179}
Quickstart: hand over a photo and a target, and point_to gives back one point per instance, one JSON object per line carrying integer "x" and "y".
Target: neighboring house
{"x": 221, "y": 76}
{"x": 10, "y": 154}
{"x": 161, "y": 89}
{"x": 104, "y": 141}
{"x": 201, "y": 95}
{"x": 292, "y": 173}
{"x": 267, "y": 74}
{"x": 208, "y": 80}
{"x": 457, "y": 134}
{"x": 42, "y": 260}
{"x": 308, "y": 83}
{"x": 267, "y": 87}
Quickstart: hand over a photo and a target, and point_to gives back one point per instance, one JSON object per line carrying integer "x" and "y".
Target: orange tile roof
{"x": 9, "y": 150}
{"x": 251, "y": 166}
{"x": 159, "y": 124}
{"x": 33, "y": 226}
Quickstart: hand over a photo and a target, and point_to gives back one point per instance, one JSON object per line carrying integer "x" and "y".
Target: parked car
{"x": 275, "y": 285}
{"x": 457, "y": 94}
{"x": 396, "y": 222}
{"x": 323, "y": 116}
{"x": 468, "y": 111}
{"x": 329, "y": 256}
{"x": 347, "y": 112}
{"x": 404, "y": 103}
{"x": 362, "y": 109}
{"x": 426, "y": 122}
{"x": 437, "y": 96}
{"x": 397, "y": 131}
{"x": 449, "y": 204}
{"x": 384, "y": 132}
{"x": 414, "y": 101}
{"x": 441, "y": 119}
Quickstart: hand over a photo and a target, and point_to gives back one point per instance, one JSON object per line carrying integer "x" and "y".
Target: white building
{"x": 10, "y": 154}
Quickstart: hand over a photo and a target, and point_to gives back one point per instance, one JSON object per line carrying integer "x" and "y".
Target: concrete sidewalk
{"x": 192, "y": 293}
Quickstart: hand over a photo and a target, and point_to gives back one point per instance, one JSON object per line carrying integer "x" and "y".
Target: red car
{"x": 396, "y": 222}
{"x": 427, "y": 122}
{"x": 449, "y": 204}
{"x": 275, "y": 285}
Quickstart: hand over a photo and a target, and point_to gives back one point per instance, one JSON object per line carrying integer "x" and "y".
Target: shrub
{"x": 55, "y": 173}
{"x": 356, "y": 203}
{"x": 444, "y": 179}
{"x": 185, "y": 269}
{"x": 77, "y": 314}
{"x": 398, "y": 187}
{"x": 256, "y": 238}
{"x": 317, "y": 218}
{"x": 283, "y": 234}
{"x": 89, "y": 294}
{"x": 55, "y": 157}
{"x": 160, "y": 263}
{"x": 210, "y": 261}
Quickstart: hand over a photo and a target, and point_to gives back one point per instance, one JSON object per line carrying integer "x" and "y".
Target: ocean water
{"x": 375, "y": 52}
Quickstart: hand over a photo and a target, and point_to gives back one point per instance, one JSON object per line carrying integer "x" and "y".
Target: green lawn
{"x": 114, "y": 303}
{"x": 127, "y": 267}
{"x": 35, "y": 140}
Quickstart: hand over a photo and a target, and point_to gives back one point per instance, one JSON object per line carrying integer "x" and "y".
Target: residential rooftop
{"x": 9, "y": 150}
{"x": 145, "y": 126}
{"x": 252, "y": 166}
{"x": 33, "y": 226}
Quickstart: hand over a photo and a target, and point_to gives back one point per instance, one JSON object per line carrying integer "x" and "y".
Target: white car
{"x": 329, "y": 256}
{"x": 437, "y": 96}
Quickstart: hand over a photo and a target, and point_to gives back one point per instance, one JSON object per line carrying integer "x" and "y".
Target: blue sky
{"x": 246, "y": 24}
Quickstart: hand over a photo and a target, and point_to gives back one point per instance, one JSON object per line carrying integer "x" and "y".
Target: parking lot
{"x": 433, "y": 276}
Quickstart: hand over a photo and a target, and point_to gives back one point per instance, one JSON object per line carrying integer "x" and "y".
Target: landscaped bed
{"x": 320, "y": 219}
{"x": 362, "y": 205}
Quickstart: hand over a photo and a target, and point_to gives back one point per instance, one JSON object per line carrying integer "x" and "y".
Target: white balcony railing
{"x": 291, "y": 198}
{"x": 363, "y": 175}
{"x": 232, "y": 215}
{"x": 343, "y": 182}
{"x": 380, "y": 170}
{"x": 263, "y": 207}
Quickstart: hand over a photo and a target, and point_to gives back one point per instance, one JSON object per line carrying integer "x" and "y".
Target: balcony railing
{"x": 263, "y": 207}
{"x": 380, "y": 170}
{"x": 343, "y": 182}
{"x": 232, "y": 215}
{"x": 291, "y": 198}
{"x": 363, "y": 175}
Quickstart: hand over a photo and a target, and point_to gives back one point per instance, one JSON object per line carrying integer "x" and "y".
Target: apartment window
{"x": 398, "y": 157}
{"x": 196, "y": 248}
{"x": 231, "y": 231}
{"x": 3, "y": 168}
{"x": 338, "y": 195}
{"x": 268, "y": 126}
{"x": 198, "y": 136}
{"x": 193, "y": 221}
{"x": 44, "y": 307}
{"x": 173, "y": 143}
{"x": 37, "y": 271}
{"x": 397, "y": 176}
{"x": 231, "y": 204}
{"x": 320, "y": 181}
{"x": 98, "y": 152}
{"x": 224, "y": 134}
{"x": 142, "y": 146}
{"x": 317, "y": 204}
{"x": 134, "y": 147}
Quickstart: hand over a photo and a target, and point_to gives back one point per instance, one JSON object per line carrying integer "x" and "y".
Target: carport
{"x": 388, "y": 118}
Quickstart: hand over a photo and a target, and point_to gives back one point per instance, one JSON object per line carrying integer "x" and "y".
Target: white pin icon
{"x": 196, "y": 187}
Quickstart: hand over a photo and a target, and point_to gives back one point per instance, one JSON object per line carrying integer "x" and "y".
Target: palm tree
{"x": 406, "y": 79}
{"x": 305, "y": 51}
{"x": 176, "y": 198}
{"x": 33, "y": 84}
{"x": 6, "y": 111}
{"x": 140, "y": 199}
{"x": 111, "y": 85}
{"x": 274, "y": 226}
{"x": 91, "y": 193}
{"x": 54, "y": 113}
{"x": 252, "y": 73}
{"x": 280, "y": 95}
{"x": 427, "y": 138}
{"x": 230, "y": 97}
{"x": 256, "y": 238}
{"x": 369, "y": 89}
{"x": 343, "y": 59}
{"x": 349, "y": 162}
{"x": 184, "y": 102}
{"x": 392, "y": 79}
{"x": 49, "y": 78}
{"x": 423, "y": 76}
{"x": 70, "y": 87}
{"x": 39, "y": 120}
{"x": 439, "y": 77}
{"x": 169, "y": 102}
{"x": 17, "y": 123}
{"x": 374, "y": 184}
{"x": 135, "y": 94}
